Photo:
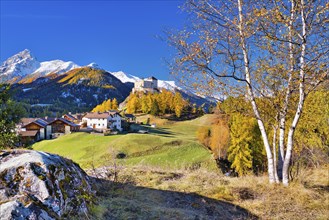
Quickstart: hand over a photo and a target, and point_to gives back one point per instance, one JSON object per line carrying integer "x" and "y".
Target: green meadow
{"x": 171, "y": 145}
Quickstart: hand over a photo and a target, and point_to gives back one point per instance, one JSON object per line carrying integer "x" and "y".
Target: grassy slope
{"x": 173, "y": 145}
{"x": 204, "y": 194}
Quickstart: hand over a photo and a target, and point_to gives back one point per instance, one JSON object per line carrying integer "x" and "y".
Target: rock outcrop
{"x": 37, "y": 185}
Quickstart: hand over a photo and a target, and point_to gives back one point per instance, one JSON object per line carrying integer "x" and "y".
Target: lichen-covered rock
{"x": 37, "y": 185}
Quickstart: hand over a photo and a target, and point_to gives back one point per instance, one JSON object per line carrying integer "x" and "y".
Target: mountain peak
{"x": 22, "y": 55}
{"x": 18, "y": 65}
{"x": 95, "y": 66}
{"x": 25, "y": 51}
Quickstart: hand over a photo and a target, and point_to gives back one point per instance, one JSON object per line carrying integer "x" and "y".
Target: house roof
{"x": 70, "y": 116}
{"x": 97, "y": 115}
{"x": 152, "y": 78}
{"x": 65, "y": 122}
{"x": 28, "y": 133}
{"x": 114, "y": 112}
{"x": 79, "y": 116}
{"x": 47, "y": 119}
{"x": 26, "y": 121}
{"x": 38, "y": 122}
{"x": 103, "y": 115}
{"x": 130, "y": 116}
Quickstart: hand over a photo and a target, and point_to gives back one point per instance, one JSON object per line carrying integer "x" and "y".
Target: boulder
{"x": 38, "y": 185}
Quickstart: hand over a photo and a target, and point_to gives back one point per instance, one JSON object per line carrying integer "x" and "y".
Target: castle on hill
{"x": 149, "y": 84}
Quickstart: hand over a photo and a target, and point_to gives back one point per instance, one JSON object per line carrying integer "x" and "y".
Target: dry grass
{"x": 305, "y": 198}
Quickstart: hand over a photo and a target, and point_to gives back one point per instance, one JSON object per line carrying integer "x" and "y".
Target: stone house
{"x": 149, "y": 84}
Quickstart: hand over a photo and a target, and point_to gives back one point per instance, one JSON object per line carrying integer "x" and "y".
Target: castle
{"x": 149, "y": 84}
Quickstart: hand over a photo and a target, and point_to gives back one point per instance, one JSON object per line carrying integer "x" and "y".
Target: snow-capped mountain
{"x": 26, "y": 69}
{"x": 125, "y": 77}
{"x": 95, "y": 66}
{"x": 24, "y": 64}
{"x": 55, "y": 66}
{"x": 169, "y": 85}
{"x": 19, "y": 65}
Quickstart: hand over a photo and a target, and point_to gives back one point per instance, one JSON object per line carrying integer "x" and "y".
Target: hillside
{"x": 171, "y": 145}
{"x": 77, "y": 90}
{"x": 180, "y": 179}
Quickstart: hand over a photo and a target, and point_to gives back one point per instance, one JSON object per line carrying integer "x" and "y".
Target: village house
{"x": 28, "y": 137}
{"x": 61, "y": 126}
{"x": 146, "y": 85}
{"x": 75, "y": 118}
{"x": 35, "y": 129}
{"x": 101, "y": 121}
{"x": 38, "y": 125}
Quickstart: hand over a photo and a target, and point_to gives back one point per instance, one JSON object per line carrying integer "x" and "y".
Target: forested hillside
{"x": 78, "y": 90}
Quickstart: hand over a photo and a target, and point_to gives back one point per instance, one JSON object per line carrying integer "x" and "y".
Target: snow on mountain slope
{"x": 169, "y": 85}
{"x": 125, "y": 77}
{"x": 55, "y": 66}
{"x": 24, "y": 65}
{"x": 19, "y": 65}
{"x": 95, "y": 66}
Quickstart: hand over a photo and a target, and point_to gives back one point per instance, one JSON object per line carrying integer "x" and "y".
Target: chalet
{"x": 69, "y": 117}
{"x": 28, "y": 137}
{"x": 75, "y": 118}
{"x": 105, "y": 120}
{"x": 146, "y": 85}
{"x": 60, "y": 126}
{"x": 38, "y": 125}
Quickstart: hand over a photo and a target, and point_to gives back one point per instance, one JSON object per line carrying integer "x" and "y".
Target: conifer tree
{"x": 155, "y": 108}
{"x": 239, "y": 152}
{"x": 162, "y": 102}
{"x": 114, "y": 104}
{"x": 179, "y": 104}
{"x": 144, "y": 104}
{"x": 10, "y": 113}
{"x": 108, "y": 105}
{"x": 132, "y": 105}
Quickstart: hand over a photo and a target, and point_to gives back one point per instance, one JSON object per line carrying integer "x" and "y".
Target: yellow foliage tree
{"x": 179, "y": 104}
{"x": 115, "y": 105}
{"x": 219, "y": 138}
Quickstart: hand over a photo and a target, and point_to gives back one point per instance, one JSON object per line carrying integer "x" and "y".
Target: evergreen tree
{"x": 10, "y": 114}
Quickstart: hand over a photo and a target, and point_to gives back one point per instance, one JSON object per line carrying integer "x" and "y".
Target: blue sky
{"x": 117, "y": 35}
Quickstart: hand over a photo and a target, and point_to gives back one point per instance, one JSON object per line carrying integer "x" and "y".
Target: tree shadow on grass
{"x": 127, "y": 201}
{"x": 163, "y": 132}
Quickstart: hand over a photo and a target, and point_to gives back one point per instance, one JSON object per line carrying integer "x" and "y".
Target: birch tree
{"x": 270, "y": 50}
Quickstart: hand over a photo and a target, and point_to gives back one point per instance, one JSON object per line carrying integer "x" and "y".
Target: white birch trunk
{"x": 252, "y": 97}
{"x": 290, "y": 140}
{"x": 283, "y": 113}
{"x": 275, "y": 128}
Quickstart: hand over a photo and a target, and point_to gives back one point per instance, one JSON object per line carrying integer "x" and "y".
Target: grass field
{"x": 171, "y": 145}
{"x": 204, "y": 194}
{"x": 167, "y": 174}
